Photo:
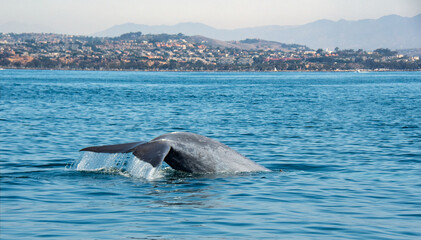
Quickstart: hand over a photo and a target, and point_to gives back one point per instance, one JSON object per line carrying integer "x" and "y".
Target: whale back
{"x": 199, "y": 154}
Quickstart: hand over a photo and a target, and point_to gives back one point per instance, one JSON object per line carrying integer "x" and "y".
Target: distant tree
{"x": 4, "y": 61}
{"x": 249, "y": 40}
{"x": 258, "y": 60}
{"x": 385, "y": 52}
{"x": 130, "y": 35}
{"x": 348, "y": 52}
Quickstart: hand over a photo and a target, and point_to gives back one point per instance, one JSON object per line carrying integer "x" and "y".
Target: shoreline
{"x": 217, "y": 71}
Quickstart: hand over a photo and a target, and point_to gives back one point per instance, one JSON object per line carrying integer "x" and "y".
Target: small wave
{"x": 285, "y": 167}
{"x": 125, "y": 164}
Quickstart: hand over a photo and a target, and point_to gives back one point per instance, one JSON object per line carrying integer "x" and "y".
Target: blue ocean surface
{"x": 348, "y": 145}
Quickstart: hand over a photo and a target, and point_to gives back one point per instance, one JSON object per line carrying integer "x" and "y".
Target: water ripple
{"x": 344, "y": 149}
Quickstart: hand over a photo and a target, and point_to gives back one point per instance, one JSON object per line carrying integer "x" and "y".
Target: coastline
{"x": 179, "y": 53}
{"x": 215, "y": 71}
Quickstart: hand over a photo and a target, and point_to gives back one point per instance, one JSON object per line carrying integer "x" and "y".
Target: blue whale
{"x": 187, "y": 152}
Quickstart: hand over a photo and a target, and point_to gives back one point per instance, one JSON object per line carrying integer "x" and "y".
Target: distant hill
{"x": 393, "y": 31}
{"x": 413, "y": 52}
{"x": 247, "y": 44}
{"x": 184, "y": 28}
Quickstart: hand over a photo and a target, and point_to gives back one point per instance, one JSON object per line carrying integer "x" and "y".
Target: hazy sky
{"x": 89, "y": 16}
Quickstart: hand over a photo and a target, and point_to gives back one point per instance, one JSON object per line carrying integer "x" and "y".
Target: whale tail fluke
{"x": 117, "y": 148}
{"x": 153, "y": 153}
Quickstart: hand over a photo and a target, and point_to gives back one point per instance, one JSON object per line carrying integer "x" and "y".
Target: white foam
{"x": 125, "y": 164}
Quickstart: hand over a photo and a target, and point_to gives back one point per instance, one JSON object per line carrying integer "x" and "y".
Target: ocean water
{"x": 348, "y": 145}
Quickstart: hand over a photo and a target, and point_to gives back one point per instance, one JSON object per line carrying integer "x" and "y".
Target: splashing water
{"x": 125, "y": 164}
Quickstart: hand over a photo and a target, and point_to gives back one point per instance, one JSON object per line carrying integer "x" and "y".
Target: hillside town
{"x": 164, "y": 52}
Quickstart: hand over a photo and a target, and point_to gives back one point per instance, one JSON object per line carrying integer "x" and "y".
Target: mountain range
{"x": 392, "y": 31}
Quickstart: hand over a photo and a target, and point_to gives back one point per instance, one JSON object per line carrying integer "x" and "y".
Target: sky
{"x": 90, "y": 16}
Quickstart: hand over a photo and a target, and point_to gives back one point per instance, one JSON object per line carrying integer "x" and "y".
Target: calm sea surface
{"x": 348, "y": 145}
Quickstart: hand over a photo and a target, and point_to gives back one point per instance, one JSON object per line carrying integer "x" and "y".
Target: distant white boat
{"x": 1, "y": 69}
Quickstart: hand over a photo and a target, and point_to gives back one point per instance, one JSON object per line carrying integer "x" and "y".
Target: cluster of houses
{"x": 178, "y": 52}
